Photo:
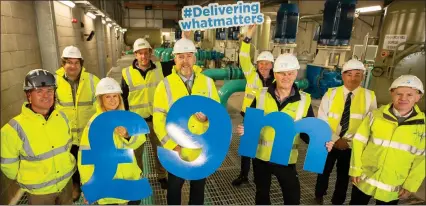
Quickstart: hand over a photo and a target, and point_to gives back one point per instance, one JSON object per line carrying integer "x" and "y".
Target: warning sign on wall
{"x": 391, "y": 41}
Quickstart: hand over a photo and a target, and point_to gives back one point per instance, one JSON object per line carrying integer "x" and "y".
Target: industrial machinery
{"x": 333, "y": 47}
{"x": 228, "y": 44}
{"x": 286, "y": 29}
{"x": 401, "y": 47}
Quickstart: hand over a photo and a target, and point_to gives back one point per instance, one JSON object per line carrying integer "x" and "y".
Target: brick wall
{"x": 69, "y": 33}
{"x": 20, "y": 53}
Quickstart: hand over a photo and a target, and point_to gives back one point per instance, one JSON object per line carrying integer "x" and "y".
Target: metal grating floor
{"x": 219, "y": 190}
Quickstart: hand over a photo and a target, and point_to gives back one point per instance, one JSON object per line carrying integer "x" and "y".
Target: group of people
{"x": 382, "y": 150}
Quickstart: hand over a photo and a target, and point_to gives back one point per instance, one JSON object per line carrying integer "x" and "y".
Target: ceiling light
{"x": 108, "y": 19}
{"x": 109, "y": 25}
{"x": 68, "y": 3}
{"x": 369, "y": 9}
{"x": 91, "y": 15}
{"x": 103, "y": 21}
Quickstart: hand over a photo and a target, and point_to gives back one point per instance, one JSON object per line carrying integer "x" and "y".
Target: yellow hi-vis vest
{"x": 141, "y": 91}
{"x": 297, "y": 110}
{"x": 84, "y": 107}
{"x": 360, "y": 105}
{"x": 254, "y": 83}
{"x": 36, "y": 151}
{"x": 126, "y": 171}
{"x": 169, "y": 91}
{"x": 389, "y": 156}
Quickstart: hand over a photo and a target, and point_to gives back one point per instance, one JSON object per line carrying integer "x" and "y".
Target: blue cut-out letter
{"x": 285, "y": 131}
{"x": 105, "y": 157}
{"x": 214, "y": 142}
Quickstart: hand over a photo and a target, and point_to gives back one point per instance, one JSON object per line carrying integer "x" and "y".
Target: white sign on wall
{"x": 391, "y": 41}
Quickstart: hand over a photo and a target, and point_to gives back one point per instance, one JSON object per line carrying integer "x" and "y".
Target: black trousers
{"x": 76, "y": 175}
{"x": 174, "y": 190}
{"x": 287, "y": 177}
{"x": 360, "y": 198}
{"x": 343, "y": 158}
{"x": 245, "y": 166}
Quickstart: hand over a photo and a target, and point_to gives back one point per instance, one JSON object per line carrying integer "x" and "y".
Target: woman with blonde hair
{"x": 108, "y": 94}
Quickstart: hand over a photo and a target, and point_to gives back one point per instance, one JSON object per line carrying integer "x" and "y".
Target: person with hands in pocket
{"x": 388, "y": 150}
{"x": 186, "y": 79}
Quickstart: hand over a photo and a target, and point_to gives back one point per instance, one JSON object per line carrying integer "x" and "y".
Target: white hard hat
{"x": 408, "y": 81}
{"x": 286, "y": 62}
{"x": 265, "y": 55}
{"x": 71, "y": 52}
{"x": 107, "y": 85}
{"x": 352, "y": 65}
{"x": 141, "y": 44}
{"x": 184, "y": 46}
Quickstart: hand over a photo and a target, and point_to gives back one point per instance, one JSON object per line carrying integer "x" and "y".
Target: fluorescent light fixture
{"x": 100, "y": 13}
{"x": 91, "y": 15}
{"x": 103, "y": 21}
{"x": 68, "y": 3}
{"x": 108, "y": 19}
{"x": 369, "y": 9}
{"x": 109, "y": 25}
{"x": 82, "y": 2}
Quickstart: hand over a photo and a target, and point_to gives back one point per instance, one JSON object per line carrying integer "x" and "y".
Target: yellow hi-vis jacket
{"x": 141, "y": 90}
{"x": 36, "y": 151}
{"x": 127, "y": 171}
{"x": 360, "y": 106}
{"x": 169, "y": 91}
{"x": 254, "y": 83}
{"x": 83, "y": 108}
{"x": 297, "y": 110}
{"x": 389, "y": 156}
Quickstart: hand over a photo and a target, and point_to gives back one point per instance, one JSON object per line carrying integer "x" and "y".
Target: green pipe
{"x": 238, "y": 85}
{"x": 224, "y": 73}
{"x": 302, "y": 83}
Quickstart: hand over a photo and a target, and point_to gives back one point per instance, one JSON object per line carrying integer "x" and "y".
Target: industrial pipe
{"x": 238, "y": 85}
{"x": 227, "y": 73}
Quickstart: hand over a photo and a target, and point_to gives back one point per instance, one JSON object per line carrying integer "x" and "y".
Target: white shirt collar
{"x": 397, "y": 114}
{"x": 346, "y": 91}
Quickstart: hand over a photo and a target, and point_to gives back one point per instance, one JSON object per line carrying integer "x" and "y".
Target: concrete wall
{"x": 22, "y": 50}
{"x": 19, "y": 54}
{"x": 69, "y": 33}
{"x": 108, "y": 49}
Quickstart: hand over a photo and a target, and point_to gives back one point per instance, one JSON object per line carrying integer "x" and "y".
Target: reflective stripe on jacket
{"x": 83, "y": 108}
{"x": 36, "y": 151}
{"x": 389, "y": 156}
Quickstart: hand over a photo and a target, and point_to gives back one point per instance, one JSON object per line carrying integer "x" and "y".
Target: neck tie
{"x": 344, "y": 122}
{"x": 188, "y": 85}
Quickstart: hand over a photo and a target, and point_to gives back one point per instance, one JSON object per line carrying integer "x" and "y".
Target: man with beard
{"x": 185, "y": 80}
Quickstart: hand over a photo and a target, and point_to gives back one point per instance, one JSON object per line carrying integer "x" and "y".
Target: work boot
{"x": 240, "y": 180}
{"x": 319, "y": 200}
{"x": 163, "y": 183}
{"x": 76, "y": 192}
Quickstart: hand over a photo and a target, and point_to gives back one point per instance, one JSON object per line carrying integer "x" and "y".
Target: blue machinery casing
{"x": 287, "y": 21}
{"x": 321, "y": 79}
{"x": 337, "y": 23}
